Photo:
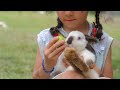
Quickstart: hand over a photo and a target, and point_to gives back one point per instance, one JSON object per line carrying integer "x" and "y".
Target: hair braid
{"x": 60, "y": 24}
{"x": 98, "y": 26}
{"x": 55, "y": 30}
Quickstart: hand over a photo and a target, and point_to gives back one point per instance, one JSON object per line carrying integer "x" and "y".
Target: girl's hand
{"x": 52, "y": 51}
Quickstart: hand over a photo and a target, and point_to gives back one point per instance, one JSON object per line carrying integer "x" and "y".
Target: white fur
{"x": 59, "y": 66}
{"x": 79, "y": 45}
{"x": 87, "y": 55}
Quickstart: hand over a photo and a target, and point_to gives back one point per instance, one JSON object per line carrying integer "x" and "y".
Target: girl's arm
{"x": 51, "y": 52}
{"x": 38, "y": 71}
{"x": 108, "y": 71}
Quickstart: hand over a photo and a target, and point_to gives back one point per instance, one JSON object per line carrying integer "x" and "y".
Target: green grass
{"x": 18, "y": 43}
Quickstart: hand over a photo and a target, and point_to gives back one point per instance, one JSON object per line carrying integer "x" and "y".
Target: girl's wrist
{"x": 47, "y": 68}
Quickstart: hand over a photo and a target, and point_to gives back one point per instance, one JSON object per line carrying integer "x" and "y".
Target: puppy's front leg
{"x": 90, "y": 64}
{"x": 73, "y": 58}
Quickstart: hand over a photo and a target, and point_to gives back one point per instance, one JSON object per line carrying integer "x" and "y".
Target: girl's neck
{"x": 84, "y": 28}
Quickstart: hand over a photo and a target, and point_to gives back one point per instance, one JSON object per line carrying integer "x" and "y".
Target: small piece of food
{"x": 61, "y": 38}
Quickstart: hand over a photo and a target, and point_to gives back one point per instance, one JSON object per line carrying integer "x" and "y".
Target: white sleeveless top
{"x": 101, "y": 48}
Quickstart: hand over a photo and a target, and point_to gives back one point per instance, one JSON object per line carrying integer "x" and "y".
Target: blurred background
{"x": 18, "y": 45}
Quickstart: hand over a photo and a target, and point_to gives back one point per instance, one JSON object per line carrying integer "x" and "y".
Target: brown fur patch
{"x": 73, "y": 58}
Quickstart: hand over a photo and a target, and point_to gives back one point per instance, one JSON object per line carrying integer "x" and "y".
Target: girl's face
{"x": 72, "y": 19}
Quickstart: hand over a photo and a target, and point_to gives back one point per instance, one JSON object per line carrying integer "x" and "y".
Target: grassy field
{"x": 18, "y": 43}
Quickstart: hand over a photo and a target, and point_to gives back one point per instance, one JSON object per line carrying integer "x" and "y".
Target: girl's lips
{"x": 70, "y": 20}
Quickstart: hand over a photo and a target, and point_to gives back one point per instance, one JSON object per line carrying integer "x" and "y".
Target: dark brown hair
{"x": 98, "y": 26}
{"x": 55, "y": 30}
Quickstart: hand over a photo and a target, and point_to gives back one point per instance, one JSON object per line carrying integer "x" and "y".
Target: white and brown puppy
{"x": 79, "y": 42}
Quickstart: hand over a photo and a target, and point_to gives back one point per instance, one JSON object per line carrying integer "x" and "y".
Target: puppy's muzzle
{"x": 69, "y": 41}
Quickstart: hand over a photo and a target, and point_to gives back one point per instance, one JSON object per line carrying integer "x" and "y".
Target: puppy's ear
{"x": 90, "y": 39}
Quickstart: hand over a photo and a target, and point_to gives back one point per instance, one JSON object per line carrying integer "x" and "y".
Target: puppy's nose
{"x": 69, "y": 41}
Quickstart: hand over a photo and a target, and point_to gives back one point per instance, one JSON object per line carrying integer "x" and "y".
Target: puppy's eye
{"x": 79, "y": 38}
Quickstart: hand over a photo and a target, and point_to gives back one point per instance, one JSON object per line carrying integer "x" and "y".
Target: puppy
{"x": 79, "y": 54}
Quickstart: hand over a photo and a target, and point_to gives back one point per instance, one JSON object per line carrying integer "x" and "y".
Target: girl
{"x": 47, "y": 54}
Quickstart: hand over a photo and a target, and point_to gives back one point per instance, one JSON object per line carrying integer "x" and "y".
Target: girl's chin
{"x": 72, "y": 28}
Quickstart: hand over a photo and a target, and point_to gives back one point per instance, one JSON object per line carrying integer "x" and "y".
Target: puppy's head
{"x": 77, "y": 40}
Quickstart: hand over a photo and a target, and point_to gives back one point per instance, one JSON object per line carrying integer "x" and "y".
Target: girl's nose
{"x": 69, "y": 13}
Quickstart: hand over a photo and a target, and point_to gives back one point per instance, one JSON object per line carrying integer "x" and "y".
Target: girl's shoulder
{"x": 101, "y": 48}
{"x": 107, "y": 36}
{"x": 107, "y": 39}
{"x": 44, "y": 32}
{"x": 44, "y": 35}
{"x": 103, "y": 45}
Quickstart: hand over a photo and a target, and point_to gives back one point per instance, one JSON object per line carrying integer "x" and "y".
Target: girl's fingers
{"x": 55, "y": 46}
{"x": 57, "y": 51}
{"x": 58, "y": 54}
{"x": 52, "y": 42}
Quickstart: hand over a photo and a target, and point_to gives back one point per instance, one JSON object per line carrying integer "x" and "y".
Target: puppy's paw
{"x": 90, "y": 64}
{"x": 69, "y": 54}
{"x": 76, "y": 61}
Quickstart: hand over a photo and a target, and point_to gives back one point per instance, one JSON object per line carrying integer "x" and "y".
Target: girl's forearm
{"x": 41, "y": 74}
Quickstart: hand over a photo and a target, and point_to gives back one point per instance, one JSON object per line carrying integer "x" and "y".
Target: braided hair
{"x": 98, "y": 26}
{"x": 54, "y": 30}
